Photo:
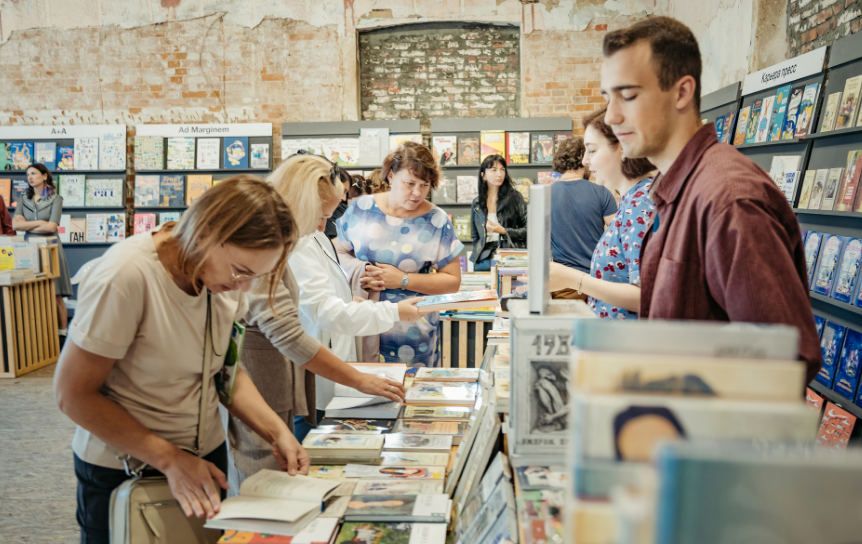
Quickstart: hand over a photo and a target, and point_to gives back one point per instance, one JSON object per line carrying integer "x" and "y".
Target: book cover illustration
{"x": 742, "y": 126}
{"x": 782, "y": 97}
{"x": 112, "y": 151}
{"x": 5, "y": 156}
{"x": 791, "y": 180}
{"x": 397, "y": 139}
{"x": 806, "y": 110}
{"x": 73, "y": 189}
{"x": 7, "y": 257}
{"x": 326, "y": 472}
{"x": 848, "y": 270}
{"x": 753, "y": 121}
{"x": 208, "y": 153}
{"x": 813, "y": 400}
{"x": 259, "y": 156}
{"x": 468, "y": 189}
{"x": 468, "y": 152}
{"x": 818, "y": 190}
{"x": 144, "y": 222}
{"x": 97, "y": 227}
{"x": 46, "y": 153}
{"x": 19, "y": 190}
{"x": 719, "y": 127}
{"x": 6, "y": 191}
{"x": 339, "y": 425}
{"x": 116, "y": 223}
{"x": 825, "y": 275}
{"x": 225, "y": 380}
{"x": 559, "y": 138}
{"x": 181, "y": 154}
{"x": 198, "y": 185}
{"x": 850, "y": 183}
{"x": 728, "y": 127}
{"x": 836, "y": 425}
{"x": 86, "y": 154}
{"x": 547, "y": 178}
{"x": 146, "y": 191}
{"x": 429, "y": 427}
{"x": 493, "y": 143}
{"x": 342, "y": 441}
{"x": 412, "y": 442}
{"x": 236, "y": 152}
{"x": 541, "y": 148}
{"x": 446, "y": 192}
{"x": 342, "y": 151}
{"x": 373, "y": 472}
{"x": 400, "y": 458}
{"x": 522, "y": 185}
{"x": 830, "y": 347}
{"x": 391, "y": 533}
{"x": 172, "y": 191}
{"x": 849, "y": 103}
{"x": 445, "y": 149}
{"x": 461, "y": 224}
{"x": 830, "y": 112}
{"x": 444, "y": 374}
{"x": 403, "y": 506}
{"x": 819, "y": 323}
{"x": 164, "y": 217}
{"x": 428, "y": 394}
{"x": 766, "y": 112}
{"x": 437, "y": 412}
{"x": 847, "y": 375}
{"x": 65, "y": 157}
{"x": 104, "y": 193}
{"x": 830, "y": 191}
{"x": 787, "y": 133}
{"x": 540, "y": 477}
{"x": 398, "y": 487}
{"x": 22, "y": 155}
{"x": 149, "y": 153}
{"x": 518, "y": 144}
{"x": 292, "y": 146}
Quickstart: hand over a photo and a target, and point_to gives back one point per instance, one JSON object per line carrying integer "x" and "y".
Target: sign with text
{"x": 784, "y": 72}
{"x": 233, "y": 129}
{"x": 59, "y": 132}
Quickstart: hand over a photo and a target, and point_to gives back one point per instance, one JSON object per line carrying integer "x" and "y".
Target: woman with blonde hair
{"x": 377, "y": 182}
{"x": 151, "y": 313}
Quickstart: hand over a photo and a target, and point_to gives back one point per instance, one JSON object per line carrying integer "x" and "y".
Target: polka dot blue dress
{"x": 415, "y": 245}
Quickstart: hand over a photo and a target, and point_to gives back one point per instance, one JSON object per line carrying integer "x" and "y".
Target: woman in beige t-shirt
{"x": 130, "y": 373}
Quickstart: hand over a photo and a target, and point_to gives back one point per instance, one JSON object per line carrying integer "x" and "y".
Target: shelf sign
{"x": 59, "y": 132}
{"x": 784, "y": 72}
{"x": 215, "y": 130}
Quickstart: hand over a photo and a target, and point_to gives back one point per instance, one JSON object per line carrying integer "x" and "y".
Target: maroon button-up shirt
{"x": 727, "y": 246}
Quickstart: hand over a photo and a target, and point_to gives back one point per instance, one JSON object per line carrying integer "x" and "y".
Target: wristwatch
{"x": 404, "y": 281}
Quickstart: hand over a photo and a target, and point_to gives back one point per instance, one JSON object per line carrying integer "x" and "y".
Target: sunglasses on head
{"x": 334, "y": 176}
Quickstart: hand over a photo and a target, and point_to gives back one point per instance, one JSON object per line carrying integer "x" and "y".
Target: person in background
{"x": 403, "y": 237}
{"x": 5, "y": 219}
{"x": 38, "y": 214}
{"x": 377, "y": 182}
{"x": 130, "y": 373}
{"x": 613, "y": 283}
{"x": 346, "y": 180}
{"x": 723, "y": 244}
{"x": 359, "y": 187}
{"x": 580, "y": 209}
{"x": 498, "y": 215}
{"x": 327, "y": 309}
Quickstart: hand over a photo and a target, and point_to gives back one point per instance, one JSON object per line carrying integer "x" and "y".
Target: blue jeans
{"x": 301, "y": 427}
{"x": 483, "y": 266}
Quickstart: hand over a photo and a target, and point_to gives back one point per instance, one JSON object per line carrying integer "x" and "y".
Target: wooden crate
{"x": 460, "y": 357}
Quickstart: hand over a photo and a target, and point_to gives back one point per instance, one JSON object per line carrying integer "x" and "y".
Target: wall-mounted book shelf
{"x": 836, "y": 398}
{"x": 768, "y": 144}
{"x": 721, "y": 103}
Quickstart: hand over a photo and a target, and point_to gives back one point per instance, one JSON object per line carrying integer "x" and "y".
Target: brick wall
{"x": 433, "y": 70}
{"x": 814, "y": 23}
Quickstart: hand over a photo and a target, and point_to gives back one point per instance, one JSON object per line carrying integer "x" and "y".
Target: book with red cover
{"x": 813, "y": 400}
{"x": 835, "y": 427}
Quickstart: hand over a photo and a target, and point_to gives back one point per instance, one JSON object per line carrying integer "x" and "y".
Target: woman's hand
{"x": 291, "y": 456}
{"x": 407, "y": 310}
{"x": 191, "y": 481}
{"x": 491, "y": 226}
{"x": 371, "y": 384}
{"x": 388, "y": 274}
{"x": 560, "y": 277}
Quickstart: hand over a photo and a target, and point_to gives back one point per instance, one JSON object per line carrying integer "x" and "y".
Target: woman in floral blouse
{"x": 613, "y": 284}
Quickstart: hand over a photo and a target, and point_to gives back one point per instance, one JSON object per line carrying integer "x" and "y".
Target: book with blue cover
{"x": 19, "y": 191}
{"x": 235, "y": 152}
{"x": 819, "y": 322}
{"x": 172, "y": 191}
{"x": 22, "y": 155}
{"x": 812, "y": 250}
{"x": 824, "y": 278}
{"x": 782, "y": 98}
{"x": 753, "y": 120}
{"x": 46, "y": 153}
{"x": 847, "y": 377}
{"x": 848, "y": 270}
{"x": 65, "y": 157}
{"x": 830, "y": 348}
{"x": 792, "y": 112}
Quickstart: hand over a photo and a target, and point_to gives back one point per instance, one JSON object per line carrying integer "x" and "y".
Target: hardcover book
{"x": 445, "y": 150}
{"x": 779, "y": 113}
{"x": 391, "y": 487}
{"x": 171, "y": 191}
{"x": 742, "y": 126}
{"x": 831, "y": 189}
{"x": 522, "y": 185}
{"x": 149, "y": 153}
{"x": 541, "y": 148}
{"x": 198, "y": 185}
{"x": 830, "y": 112}
{"x": 146, "y": 191}
{"x": 112, "y": 151}
{"x": 144, "y": 222}
{"x": 19, "y": 190}
{"x": 73, "y": 189}
{"x": 753, "y": 121}
{"x": 847, "y": 377}
{"x": 848, "y": 271}
{"x": 791, "y": 180}
{"x": 374, "y": 472}
{"x": 806, "y": 110}
{"x": 812, "y": 251}
{"x": 343, "y": 446}
{"x": 781, "y": 164}
{"x": 65, "y": 157}
{"x": 415, "y": 443}
{"x": 46, "y": 153}
{"x": 181, "y": 154}
{"x": 819, "y": 186}
{"x": 398, "y": 508}
{"x": 86, "y": 154}
{"x": 849, "y": 103}
{"x": 830, "y": 346}
{"x": 766, "y": 112}
{"x": 97, "y": 227}
{"x": 392, "y": 533}
{"x": 468, "y": 189}
{"x": 826, "y": 268}
{"x": 259, "y": 156}
{"x": 787, "y": 133}
{"x": 116, "y": 223}
{"x": 518, "y": 144}
{"x": 208, "y": 153}
{"x": 22, "y": 155}
{"x": 236, "y": 152}
{"x": 836, "y": 426}
{"x": 104, "y": 193}
{"x": 437, "y": 412}
{"x": 468, "y": 152}
{"x": 493, "y": 143}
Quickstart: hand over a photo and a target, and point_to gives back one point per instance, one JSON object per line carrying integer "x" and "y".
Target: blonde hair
{"x": 304, "y": 182}
{"x": 241, "y": 210}
{"x": 376, "y": 182}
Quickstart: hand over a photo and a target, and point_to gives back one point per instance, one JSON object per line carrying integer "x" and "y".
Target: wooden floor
{"x": 37, "y": 479}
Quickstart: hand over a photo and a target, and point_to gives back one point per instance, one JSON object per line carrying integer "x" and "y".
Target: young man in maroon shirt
{"x": 724, "y": 245}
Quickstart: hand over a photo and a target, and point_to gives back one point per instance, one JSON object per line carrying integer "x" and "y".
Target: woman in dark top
{"x": 38, "y": 214}
{"x": 498, "y": 214}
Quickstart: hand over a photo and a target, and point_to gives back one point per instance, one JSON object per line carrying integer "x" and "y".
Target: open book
{"x": 275, "y": 503}
{"x": 462, "y": 300}
{"x": 352, "y": 403}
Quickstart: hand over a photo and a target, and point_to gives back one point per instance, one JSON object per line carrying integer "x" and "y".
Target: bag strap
{"x": 205, "y": 380}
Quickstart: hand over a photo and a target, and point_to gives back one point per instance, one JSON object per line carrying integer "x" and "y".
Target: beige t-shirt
{"x": 129, "y": 309}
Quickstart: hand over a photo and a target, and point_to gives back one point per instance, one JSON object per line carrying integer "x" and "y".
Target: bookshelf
{"x": 249, "y": 135}
{"x": 77, "y": 253}
{"x": 721, "y": 102}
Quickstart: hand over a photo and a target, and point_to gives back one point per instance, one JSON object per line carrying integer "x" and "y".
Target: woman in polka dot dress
{"x": 403, "y": 237}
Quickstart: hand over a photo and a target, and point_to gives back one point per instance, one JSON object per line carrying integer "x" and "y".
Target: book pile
{"x": 19, "y": 259}
{"x": 783, "y": 116}
{"x": 833, "y": 188}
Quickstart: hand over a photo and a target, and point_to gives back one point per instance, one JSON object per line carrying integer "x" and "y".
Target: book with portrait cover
{"x": 401, "y": 458}
{"x": 73, "y": 189}
{"x": 146, "y": 191}
{"x": 830, "y": 191}
{"x": 181, "y": 154}
{"x": 396, "y": 487}
{"x": 830, "y": 112}
{"x": 149, "y": 153}
{"x": 849, "y": 182}
{"x": 741, "y": 126}
{"x": 342, "y": 446}
{"x": 445, "y": 150}
{"x": 97, "y": 228}
{"x": 787, "y": 133}
{"x": 766, "y": 111}
{"x": 830, "y": 347}
{"x": 518, "y": 146}
{"x": 447, "y": 374}
{"x": 392, "y": 533}
{"x": 86, "y": 153}
{"x": 541, "y": 148}
{"x": 171, "y": 191}
{"x": 468, "y": 152}
{"x": 493, "y": 143}
{"x": 65, "y": 157}
{"x": 828, "y": 263}
{"x": 437, "y": 412}
{"x": 46, "y": 153}
{"x": 847, "y": 375}
{"x": 836, "y": 426}
{"x": 198, "y": 185}
{"x": 440, "y": 395}
{"x": 144, "y": 222}
{"x": 806, "y": 110}
{"x": 399, "y": 508}
{"x": 779, "y": 113}
{"x": 208, "y": 153}
{"x": 104, "y": 193}
{"x": 848, "y": 270}
{"x": 394, "y": 472}
{"x": 849, "y": 103}
{"x": 417, "y": 443}
{"x": 817, "y": 191}
{"x": 753, "y": 121}
{"x": 235, "y": 152}
{"x": 811, "y": 248}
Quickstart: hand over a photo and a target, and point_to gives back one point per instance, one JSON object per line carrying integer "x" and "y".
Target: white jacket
{"x": 326, "y": 307}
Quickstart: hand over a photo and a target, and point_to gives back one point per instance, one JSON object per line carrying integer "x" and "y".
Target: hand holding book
{"x": 379, "y": 386}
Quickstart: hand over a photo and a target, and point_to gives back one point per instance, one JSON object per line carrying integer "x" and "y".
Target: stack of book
{"x": 511, "y": 263}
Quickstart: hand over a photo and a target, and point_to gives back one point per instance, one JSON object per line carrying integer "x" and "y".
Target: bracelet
{"x": 580, "y": 283}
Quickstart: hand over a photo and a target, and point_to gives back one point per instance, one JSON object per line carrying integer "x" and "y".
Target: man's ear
{"x": 685, "y": 88}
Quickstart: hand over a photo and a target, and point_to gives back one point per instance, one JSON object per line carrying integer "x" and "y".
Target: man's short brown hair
{"x": 674, "y": 50}
{"x": 569, "y": 155}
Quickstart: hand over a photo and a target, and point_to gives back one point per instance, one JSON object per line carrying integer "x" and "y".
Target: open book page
{"x": 261, "y": 508}
{"x": 392, "y": 371}
{"x": 272, "y": 484}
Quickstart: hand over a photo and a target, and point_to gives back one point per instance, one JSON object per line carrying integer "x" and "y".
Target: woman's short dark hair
{"x": 632, "y": 168}
{"x": 49, "y": 180}
{"x": 416, "y": 158}
{"x": 569, "y": 155}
